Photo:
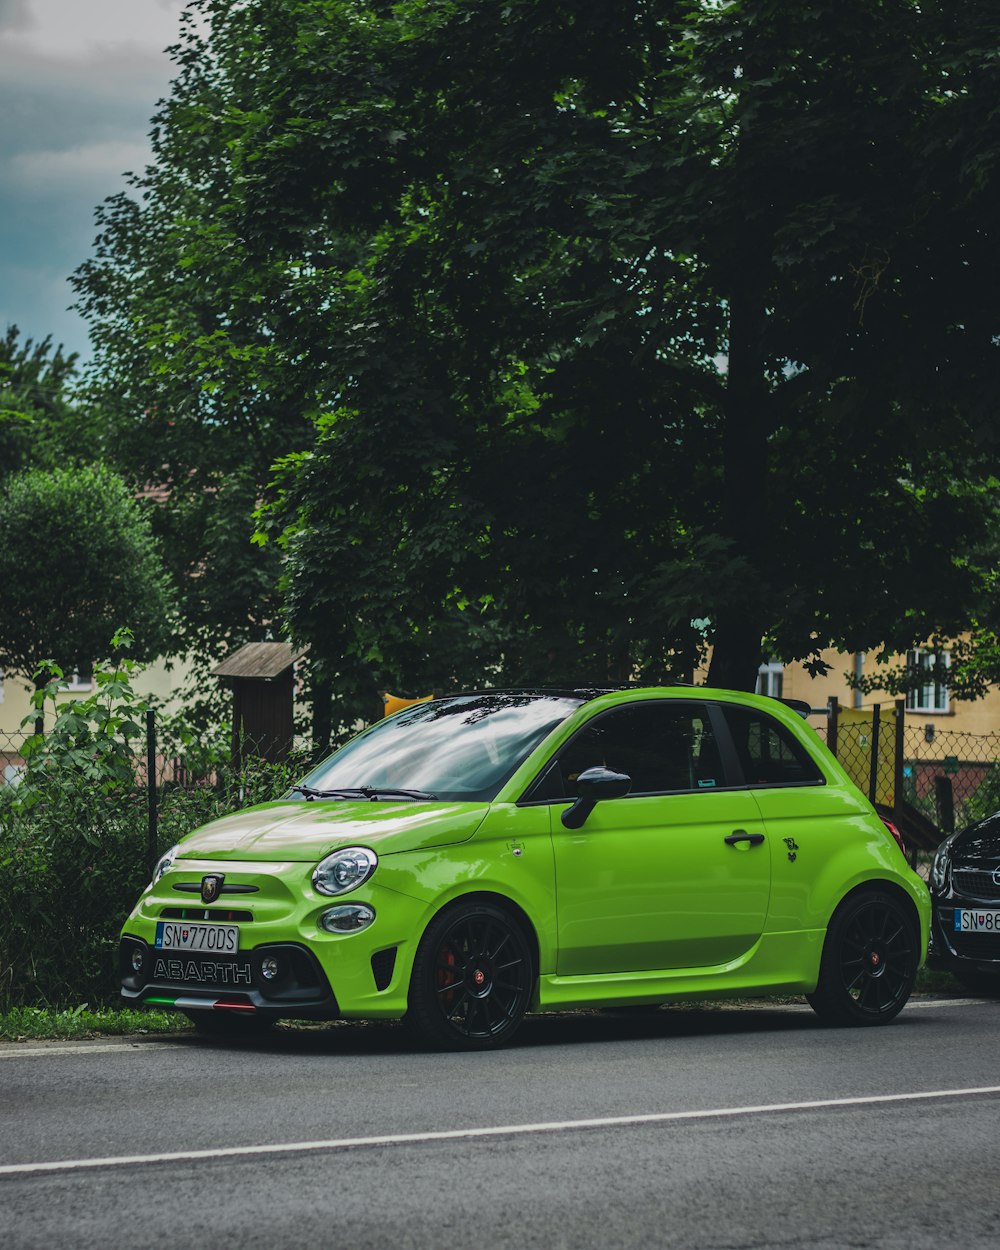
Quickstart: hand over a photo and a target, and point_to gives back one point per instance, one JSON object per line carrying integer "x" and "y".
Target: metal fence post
{"x": 897, "y": 766}
{"x": 873, "y": 771}
{"x": 151, "y": 787}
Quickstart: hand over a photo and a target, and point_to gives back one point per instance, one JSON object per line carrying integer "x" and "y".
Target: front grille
{"x": 974, "y": 884}
{"x": 976, "y": 945}
{"x": 968, "y": 945}
{"x": 218, "y": 914}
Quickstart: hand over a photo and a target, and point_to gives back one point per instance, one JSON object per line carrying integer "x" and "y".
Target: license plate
{"x": 967, "y": 921}
{"x": 178, "y": 935}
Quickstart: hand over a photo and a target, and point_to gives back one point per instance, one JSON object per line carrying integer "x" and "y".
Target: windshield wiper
{"x": 311, "y": 793}
{"x": 387, "y": 792}
{"x": 371, "y": 793}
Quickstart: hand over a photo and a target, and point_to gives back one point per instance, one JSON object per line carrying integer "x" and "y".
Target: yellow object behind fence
{"x": 854, "y": 750}
{"x": 392, "y": 703}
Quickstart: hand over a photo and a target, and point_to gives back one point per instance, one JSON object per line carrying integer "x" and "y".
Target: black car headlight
{"x": 344, "y": 870}
{"x": 942, "y": 864}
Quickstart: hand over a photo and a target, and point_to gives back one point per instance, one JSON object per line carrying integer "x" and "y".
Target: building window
{"x": 932, "y": 693}
{"x": 81, "y": 679}
{"x": 770, "y": 679}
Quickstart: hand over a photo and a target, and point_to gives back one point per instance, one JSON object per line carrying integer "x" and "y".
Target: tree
{"x": 77, "y": 562}
{"x": 603, "y": 321}
{"x": 40, "y": 421}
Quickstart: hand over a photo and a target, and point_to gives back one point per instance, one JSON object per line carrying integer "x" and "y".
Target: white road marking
{"x": 19, "y": 1051}
{"x": 508, "y": 1130}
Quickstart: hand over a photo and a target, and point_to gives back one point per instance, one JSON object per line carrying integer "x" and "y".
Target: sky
{"x": 79, "y": 83}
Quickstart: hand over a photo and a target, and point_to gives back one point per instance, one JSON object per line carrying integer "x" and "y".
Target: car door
{"x": 677, "y": 874}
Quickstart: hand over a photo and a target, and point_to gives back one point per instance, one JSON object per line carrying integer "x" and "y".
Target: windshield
{"x": 461, "y": 748}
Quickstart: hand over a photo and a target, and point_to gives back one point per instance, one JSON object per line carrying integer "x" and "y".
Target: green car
{"x": 478, "y": 857}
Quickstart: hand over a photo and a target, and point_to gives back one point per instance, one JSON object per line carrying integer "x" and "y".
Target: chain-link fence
{"x": 951, "y": 777}
{"x": 931, "y": 778}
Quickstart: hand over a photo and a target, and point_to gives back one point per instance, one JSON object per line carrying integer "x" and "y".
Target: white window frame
{"x": 77, "y": 684}
{"x": 932, "y": 696}
{"x": 771, "y": 679}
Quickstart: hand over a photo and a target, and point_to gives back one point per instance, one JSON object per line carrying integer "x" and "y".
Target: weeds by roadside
{"x": 40, "y": 1023}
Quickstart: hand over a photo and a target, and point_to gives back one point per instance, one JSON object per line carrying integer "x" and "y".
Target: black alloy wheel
{"x": 472, "y": 979}
{"x": 869, "y": 961}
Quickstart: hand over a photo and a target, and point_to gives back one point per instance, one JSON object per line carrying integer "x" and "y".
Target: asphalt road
{"x": 691, "y": 1128}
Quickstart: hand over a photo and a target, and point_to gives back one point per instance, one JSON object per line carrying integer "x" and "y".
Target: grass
{"x": 22, "y": 1024}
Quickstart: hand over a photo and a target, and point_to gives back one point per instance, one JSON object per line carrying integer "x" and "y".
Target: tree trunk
{"x": 742, "y": 616}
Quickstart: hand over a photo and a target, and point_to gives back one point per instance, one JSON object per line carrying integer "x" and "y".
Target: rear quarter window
{"x": 769, "y": 754}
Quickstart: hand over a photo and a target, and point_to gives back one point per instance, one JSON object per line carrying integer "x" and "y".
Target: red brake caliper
{"x": 446, "y": 975}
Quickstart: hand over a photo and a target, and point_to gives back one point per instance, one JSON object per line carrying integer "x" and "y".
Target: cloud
{"x": 75, "y": 29}
{"x": 79, "y": 84}
{"x": 91, "y": 168}
{"x": 15, "y": 15}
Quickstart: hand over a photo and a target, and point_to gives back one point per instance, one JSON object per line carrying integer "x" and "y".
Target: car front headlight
{"x": 163, "y": 863}
{"x": 941, "y": 864}
{"x": 344, "y": 870}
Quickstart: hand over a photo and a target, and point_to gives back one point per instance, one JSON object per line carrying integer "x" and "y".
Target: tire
{"x": 472, "y": 980}
{"x": 985, "y": 983}
{"x": 869, "y": 962}
{"x": 232, "y": 1025}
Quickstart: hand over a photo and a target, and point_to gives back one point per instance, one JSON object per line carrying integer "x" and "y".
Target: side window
{"x": 768, "y": 753}
{"x": 662, "y": 746}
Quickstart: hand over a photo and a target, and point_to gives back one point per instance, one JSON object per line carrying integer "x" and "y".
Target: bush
{"x": 985, "y": 800}
{"x": 74, "y": 837}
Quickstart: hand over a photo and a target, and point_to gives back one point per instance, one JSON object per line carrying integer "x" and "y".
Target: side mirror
{"x": 594, "y": 785}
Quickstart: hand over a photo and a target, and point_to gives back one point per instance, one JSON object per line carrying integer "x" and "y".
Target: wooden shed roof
{"x": 260, "y": 661}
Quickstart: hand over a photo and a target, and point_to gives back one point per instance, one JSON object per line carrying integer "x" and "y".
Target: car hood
{"x": 296, "y": 830}
{"x": 979, "y": 844}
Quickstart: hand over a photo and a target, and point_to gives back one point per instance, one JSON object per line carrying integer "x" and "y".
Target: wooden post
{"x": 832, "y": 716}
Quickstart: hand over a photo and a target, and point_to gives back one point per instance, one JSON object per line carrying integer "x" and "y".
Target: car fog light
{"x": 138, "y": 959}
{"x": 348, "y": 918}
{"x": 269, "y": 968}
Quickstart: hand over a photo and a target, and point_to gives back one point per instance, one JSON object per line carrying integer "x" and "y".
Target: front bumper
{"x": 949, "y": 950}
{"x": 358, "y": 975}
{"x": 192, "y": 980}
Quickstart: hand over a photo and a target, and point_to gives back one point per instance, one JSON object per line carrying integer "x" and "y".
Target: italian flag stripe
{"x": 221, "y": 1004}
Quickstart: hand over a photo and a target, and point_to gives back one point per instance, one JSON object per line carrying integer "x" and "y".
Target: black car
{"x": 965, "y": 893}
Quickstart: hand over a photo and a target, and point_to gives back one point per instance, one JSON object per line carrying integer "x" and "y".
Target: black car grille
{"x": 969, "y": 945}
{"x": 974, "y": 884}
{"x": 976, "y": 945}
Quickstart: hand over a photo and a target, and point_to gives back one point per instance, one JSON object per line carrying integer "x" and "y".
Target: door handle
{"x": 741, "y": 835}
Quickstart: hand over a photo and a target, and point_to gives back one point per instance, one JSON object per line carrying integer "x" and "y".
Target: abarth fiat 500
{"x": 481, "y": 856}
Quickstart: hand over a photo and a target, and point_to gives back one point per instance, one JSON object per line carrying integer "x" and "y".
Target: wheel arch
{"x": 495, "y": 899}
{"x": 895, "y": 891}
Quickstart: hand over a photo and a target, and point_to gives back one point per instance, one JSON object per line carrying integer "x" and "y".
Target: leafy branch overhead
{"x": 567, "y": 327}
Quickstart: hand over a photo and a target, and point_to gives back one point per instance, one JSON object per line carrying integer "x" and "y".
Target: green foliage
{"x": 22, "y": 1024}
{"x": 71, "y": 869}
{"x": 985, "y": 801}
{"x": 74, "y": 836}
{"x": 77, "y": 558}
{"x": 567, "y": 326}
{"x": 41, "y": 423}
{"x": 91, "y": 748}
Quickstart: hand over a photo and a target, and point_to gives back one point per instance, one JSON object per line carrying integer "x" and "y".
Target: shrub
{"x": 74, "y": 841}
